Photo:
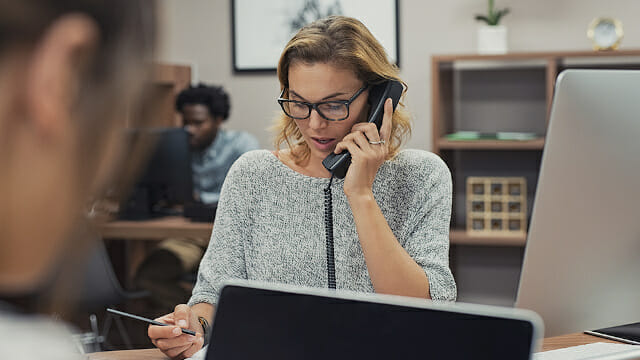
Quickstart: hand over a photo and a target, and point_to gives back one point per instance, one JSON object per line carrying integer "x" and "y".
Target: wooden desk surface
{"x": 144, "y": 354}
{"x": 563, "y": 341}
{"x": 552, "y": 343}
{"x": 156, "y": 229}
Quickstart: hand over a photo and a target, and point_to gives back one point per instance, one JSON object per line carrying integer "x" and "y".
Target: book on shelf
{"x": 501, "y": 135}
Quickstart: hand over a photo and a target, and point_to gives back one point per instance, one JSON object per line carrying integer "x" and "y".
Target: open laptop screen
{"x": 266, "y": 323}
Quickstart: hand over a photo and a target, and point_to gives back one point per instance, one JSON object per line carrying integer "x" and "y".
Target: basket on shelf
{"x": 496, "y": 206}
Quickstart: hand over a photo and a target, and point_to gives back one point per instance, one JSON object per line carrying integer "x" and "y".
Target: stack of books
{"x": 477, "y": 135}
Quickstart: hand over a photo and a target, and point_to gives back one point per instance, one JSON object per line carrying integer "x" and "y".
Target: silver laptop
{"x": 581, "y": 268}
{"x": 255, "y": 321}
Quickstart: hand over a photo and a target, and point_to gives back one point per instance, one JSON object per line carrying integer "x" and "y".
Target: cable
{"x": 328, "y": 228}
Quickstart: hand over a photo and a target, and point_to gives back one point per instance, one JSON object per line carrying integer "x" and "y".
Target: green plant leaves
{"x": 493, "y": 17}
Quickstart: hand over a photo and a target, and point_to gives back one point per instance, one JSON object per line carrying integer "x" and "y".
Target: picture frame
{"x": 261, "y": 29}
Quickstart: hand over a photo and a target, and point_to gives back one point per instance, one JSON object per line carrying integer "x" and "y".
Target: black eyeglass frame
{"x": 314, "y": 106}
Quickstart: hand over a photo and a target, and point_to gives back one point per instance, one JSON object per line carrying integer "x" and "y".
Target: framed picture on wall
{"x": 261, "y": 29}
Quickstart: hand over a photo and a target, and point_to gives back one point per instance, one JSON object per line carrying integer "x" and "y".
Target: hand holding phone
{"x": 338, "y": 164}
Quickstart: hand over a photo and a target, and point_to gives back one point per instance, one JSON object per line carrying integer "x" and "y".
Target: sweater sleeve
{"x": 225, "y": 257}
{"x": 427, "y": 240}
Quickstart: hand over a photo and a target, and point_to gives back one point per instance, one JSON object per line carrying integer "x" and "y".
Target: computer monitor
{"x": 581, "y": 266}
{"x": 166, "y": 180}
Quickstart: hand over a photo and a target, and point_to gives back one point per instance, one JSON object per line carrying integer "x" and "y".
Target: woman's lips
{"x": 323, "y": 143}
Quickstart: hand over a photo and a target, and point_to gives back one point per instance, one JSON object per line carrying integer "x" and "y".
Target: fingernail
{"x": 182, "y": 323}
{"x": 177, "y": 331}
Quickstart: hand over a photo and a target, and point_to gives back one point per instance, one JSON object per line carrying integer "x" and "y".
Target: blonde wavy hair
{"x": 347, "y": 43}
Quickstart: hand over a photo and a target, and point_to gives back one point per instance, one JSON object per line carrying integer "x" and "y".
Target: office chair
{"x": 100, "y": 289}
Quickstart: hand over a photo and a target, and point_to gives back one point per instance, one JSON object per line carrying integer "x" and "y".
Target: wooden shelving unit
{"x": 500, "y": 93}
{"x": 461, "y": 237}
{"x": 168, "y": 81}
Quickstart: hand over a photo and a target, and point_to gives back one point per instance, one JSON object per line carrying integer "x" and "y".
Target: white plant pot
{"x": 492, "y": 39}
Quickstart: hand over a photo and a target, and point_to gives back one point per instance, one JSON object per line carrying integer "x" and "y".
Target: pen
{"x": 122, "y": 313}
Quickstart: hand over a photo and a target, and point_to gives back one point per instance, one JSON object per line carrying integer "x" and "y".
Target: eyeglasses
{"x": 334, "y": 110}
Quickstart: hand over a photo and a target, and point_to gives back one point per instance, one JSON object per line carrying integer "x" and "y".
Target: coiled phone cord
{"x": 328, "y": 228}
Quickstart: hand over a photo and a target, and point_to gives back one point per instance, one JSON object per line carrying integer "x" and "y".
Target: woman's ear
{"x": 53, "y": 71}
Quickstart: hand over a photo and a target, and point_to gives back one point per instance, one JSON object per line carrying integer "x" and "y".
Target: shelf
{"x": 599, "y": 62}
{"x": 499, "y": 64}
{"x": 529, "y": 56}
{"x": 536, "y": 144}
{"x": 461, "y": 237}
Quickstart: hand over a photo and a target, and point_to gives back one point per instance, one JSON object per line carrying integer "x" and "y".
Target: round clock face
{"x": 605, "y": 33}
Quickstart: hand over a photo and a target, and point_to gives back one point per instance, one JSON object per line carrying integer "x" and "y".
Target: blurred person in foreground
{"x": 70, "y": 72}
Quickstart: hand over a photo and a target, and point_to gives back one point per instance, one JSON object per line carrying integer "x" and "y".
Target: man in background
{"x": 213, "y": 150}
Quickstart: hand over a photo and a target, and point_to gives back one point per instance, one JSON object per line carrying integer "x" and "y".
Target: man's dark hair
{"x": 213, "y": 97}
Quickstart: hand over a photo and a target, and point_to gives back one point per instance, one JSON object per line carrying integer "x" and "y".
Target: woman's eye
{"x": 332, "y": 107}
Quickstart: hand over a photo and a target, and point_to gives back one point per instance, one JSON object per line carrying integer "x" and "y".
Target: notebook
{"x": 629, "y": 333}
{"x": 282, "y": 322}
{"x": 599, "y": 351}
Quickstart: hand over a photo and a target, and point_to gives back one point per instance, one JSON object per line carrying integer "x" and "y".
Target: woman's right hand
{"x": 170, "y": 339}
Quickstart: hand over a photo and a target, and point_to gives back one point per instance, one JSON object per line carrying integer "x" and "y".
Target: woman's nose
{"x": 316, "y": 121}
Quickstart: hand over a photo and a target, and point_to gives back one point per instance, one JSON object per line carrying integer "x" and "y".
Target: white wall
{"x": 198, "y": 32}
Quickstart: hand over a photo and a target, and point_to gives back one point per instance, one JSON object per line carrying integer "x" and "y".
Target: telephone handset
{"x": 338, "y": 164}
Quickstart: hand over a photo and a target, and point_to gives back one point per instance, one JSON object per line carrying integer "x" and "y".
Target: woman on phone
{"x": 391, "y": 211}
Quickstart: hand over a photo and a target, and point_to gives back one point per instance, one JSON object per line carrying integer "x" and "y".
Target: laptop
{"x": 581, "y": 267}
{"x": 257, "y": 321}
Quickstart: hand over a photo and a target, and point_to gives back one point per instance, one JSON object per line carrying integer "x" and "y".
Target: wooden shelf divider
{"x": 536, "y": 144}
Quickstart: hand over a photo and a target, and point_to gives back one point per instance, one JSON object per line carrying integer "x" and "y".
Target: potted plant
{"x": 492, "y": 37}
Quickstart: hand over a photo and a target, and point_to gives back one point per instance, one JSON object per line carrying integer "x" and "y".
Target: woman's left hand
{"x": 366, "y": 158}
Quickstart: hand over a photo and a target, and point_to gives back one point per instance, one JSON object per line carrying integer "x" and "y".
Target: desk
{"x": 155, "y": 229}
{"x": 552, "y": 343}
{"x": 563, "y": 341}
{"x": 139, "y": 234}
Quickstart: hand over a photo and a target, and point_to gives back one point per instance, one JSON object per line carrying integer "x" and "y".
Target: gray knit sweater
{"x": 269, "y": 225}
